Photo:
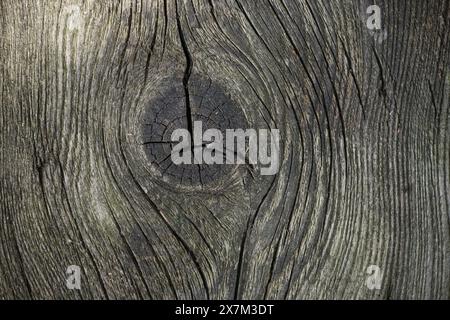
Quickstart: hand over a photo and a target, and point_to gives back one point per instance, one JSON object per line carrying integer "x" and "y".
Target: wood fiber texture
{"x": 364, "y": 176}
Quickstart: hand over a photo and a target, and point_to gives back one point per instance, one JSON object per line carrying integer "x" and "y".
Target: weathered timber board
{"x": 365, "y": 150}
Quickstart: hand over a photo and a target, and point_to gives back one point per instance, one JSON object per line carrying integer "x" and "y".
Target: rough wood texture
{"x": 365, "y": 150}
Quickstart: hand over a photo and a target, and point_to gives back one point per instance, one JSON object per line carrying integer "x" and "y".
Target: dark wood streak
{"x": 365, "y": 149}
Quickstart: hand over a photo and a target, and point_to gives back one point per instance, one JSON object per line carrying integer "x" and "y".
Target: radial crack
{"x": 187, "y": 74}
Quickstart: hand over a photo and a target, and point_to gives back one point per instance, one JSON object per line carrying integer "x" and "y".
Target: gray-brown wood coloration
{"x": 365, "y": 149}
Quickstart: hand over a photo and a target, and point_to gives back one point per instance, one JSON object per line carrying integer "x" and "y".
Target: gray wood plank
{"x": 365, "y": 149}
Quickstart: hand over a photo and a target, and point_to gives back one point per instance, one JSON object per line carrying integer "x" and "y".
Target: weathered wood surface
{"x": 365, "y": 151}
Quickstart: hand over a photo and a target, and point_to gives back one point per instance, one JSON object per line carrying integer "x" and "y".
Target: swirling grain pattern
{"x": 365, "y": 149}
